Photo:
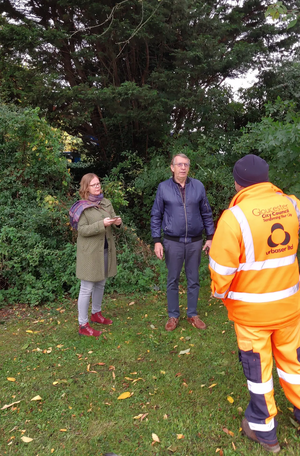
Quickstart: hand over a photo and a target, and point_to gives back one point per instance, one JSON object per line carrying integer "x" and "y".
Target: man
{"x": 182, "y": 210}
{"x": 255, "y": 271}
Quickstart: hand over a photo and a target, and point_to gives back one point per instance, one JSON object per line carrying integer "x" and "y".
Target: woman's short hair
{"x": 84, "y": 185}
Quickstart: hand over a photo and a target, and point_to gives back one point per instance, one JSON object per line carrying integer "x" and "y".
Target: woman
{"x": 93, "y": 216}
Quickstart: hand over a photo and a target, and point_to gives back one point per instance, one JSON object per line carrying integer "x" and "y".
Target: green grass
{"x": 81, "y": 413}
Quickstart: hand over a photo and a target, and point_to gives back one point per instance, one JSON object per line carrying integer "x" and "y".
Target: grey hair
{"x": 179, "y": 155}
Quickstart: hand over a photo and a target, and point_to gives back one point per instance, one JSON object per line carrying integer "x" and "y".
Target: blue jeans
{"x": 177, "y": 253}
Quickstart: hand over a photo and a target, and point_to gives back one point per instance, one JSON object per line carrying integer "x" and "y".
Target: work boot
{"x": 86, "y": 330}
{"x": 98, "y": 318}
{"x": 171, "y": 324}
{"x": 196, "y": 322}
{"x": 273, "y": 448}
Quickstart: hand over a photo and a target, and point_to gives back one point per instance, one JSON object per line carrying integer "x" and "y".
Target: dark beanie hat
{"x": 251, "y": 170}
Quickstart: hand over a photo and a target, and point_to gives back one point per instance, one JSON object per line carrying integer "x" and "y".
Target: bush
{"x": 35, "y": 237}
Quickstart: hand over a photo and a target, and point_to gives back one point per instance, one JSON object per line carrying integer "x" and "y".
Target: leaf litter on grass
{"x": 170, "y": 411}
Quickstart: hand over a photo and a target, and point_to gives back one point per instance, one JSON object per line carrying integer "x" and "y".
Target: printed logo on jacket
{"x": 272, "y": 213}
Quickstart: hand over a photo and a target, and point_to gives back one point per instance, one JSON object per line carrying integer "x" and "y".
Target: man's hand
{"x": 207, "y": 246}
{"x": 159, "y": 250}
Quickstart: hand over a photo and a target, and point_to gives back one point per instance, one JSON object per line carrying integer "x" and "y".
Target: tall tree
{"x": 126, "y": 74}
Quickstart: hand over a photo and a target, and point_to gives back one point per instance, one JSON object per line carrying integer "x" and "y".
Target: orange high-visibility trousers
{"x": 256, "y": 347}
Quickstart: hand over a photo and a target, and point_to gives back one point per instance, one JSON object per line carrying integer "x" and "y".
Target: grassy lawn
{"x": 182, "y": 398}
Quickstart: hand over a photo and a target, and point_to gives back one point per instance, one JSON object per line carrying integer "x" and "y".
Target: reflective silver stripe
{"x": 246, "y": 233}
{"x": 217, "y": 295}
{"x": 263, "y": 297}
{"x": 295, "y": 207}
{"x": 262, "y": 427}
{"x": 260, "y": 388}
{"x": 222, "y": 270}
{"x": 293, "y": 379}
{"x": 267, "y": 264}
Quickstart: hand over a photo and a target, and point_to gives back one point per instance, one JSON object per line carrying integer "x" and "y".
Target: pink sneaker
{"x": 86, "y": 330}
{"x": 98, "y": 318}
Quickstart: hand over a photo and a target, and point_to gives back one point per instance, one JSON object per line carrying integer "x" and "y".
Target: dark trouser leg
{"x": 256, "y": 355}
{"x": 174, "y": 255}
{"x": 192, "y": 262}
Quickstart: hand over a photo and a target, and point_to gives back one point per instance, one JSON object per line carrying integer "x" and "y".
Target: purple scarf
{"x": 78, "y": 208}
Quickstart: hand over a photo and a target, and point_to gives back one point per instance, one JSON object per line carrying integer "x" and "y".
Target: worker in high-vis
{"x": 254, "y": 270}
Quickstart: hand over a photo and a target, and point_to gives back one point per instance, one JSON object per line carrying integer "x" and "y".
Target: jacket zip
{"x": 183, "y": 200}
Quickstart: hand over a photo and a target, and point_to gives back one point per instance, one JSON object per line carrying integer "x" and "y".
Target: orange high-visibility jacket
{"x": 253, "y": 261}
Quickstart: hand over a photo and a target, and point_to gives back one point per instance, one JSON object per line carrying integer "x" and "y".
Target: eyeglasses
{"x": 96, "y": 185}
{"x": 182, "y": 165}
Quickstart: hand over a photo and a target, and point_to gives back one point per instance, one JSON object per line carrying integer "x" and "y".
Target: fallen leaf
{"x": 172, "y": 448}
{"x": 9, "y": 405}
{"x": 29, "y": 331}
{"x": 11, "y": 379}
{"x": 25, "y": 346}
{"x": 165, "y": 416}
{"x": 26, "y": 439}
{"x": 184, "y": 352}
{"x": 178, "y": 374}
{"x": 162, "y": 372}
{"x": 63, "y": 430}
{"x": 152, "y": 327}
{"x": 233, "y": 446}
{"x": 211, "y": 386}
{"x": 137, "y": 417}
{"x": 36, "y": 398}
{"x": 294, "y": 423}
{"x": 240, "y": 410}
{"x": 180, "y": 436}
{"x": 155, "y": 438}
{"x": 137, "y": 379}
{"x": 228, "y": 432}
{"x": 291, "y": 409}
{"x": 230, "y": 399}
{"x": 100, "y": 364}
{"x": 59, "y": 346}
{"x": 55, "y": 383}
{"x": 131, "y": 303}
{"x": 124, "y": 395}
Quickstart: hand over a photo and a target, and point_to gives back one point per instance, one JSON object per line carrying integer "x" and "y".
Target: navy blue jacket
{"x": 178, "y": 218}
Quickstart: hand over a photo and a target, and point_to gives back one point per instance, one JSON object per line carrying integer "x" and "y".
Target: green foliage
{"x": 125, "y": 74}
{"x": 279, "y": 11}
{"x": 277, "y": 139}
{"x": 138, "y": 267}
{"x": 35, "y": 249}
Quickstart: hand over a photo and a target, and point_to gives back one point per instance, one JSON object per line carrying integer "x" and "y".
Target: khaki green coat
{"x": 90, "y": 243}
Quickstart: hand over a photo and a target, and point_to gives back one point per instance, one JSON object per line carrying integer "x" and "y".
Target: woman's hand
{"x": 112, "y": 221}
{"x": 108, "y": 221}
{"x": 117, "y": 221}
